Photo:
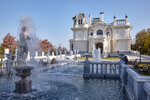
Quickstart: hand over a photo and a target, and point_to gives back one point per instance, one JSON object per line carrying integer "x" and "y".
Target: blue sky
{"x": 53, "y": 18}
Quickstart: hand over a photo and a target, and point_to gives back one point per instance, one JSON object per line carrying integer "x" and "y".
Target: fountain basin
{"x": 23, "y": 86}
{"x": 23, "y": 70}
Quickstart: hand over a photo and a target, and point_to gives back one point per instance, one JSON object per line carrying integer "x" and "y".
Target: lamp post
{"x": 140, "y": 53}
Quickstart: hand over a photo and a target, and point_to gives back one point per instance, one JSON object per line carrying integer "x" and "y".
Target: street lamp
{"x": 140, "y": 53}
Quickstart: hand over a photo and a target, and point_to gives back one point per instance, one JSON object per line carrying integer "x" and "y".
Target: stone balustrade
{"x": 136, "y": 86}
{"x": 120, "y": 22}
{"x": 103, "y": 69}
{"x": 147, "y": 90}
{"x": 7, "y": 65}
{"x": 2, "y": 65}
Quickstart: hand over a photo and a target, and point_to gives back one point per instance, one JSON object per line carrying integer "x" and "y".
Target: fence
{"x": 137, "y": 86}
{"x": 6, "y": 66}
{"x": 103, "y": 69}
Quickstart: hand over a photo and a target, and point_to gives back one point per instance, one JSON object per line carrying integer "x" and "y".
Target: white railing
{"x": 103, "y": 69}
{"x": 120, "y": 22}
{"x": 136, "y": 86}
{"x": 7, "y": 65}
{"x": 147, "y": 90}
{"x": 130, "y": 86}
{"x": 2, "y": 65}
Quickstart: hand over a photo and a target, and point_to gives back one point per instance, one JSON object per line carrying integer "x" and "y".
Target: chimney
{"x": 90, "y": 19}
{"x": 101, "y": 16}
{"x": 126, "y": 19}
{"x": 114, "y": 20}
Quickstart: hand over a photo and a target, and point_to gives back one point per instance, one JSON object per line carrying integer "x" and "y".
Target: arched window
{"x": 99, "y": 32}
{"x": 91, "y": 34}
{"x": 107, "y": 34}
{"x": 79, "y": 21}
{"x": 72, "y": 47}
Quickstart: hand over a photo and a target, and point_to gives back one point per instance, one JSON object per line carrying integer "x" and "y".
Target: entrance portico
{"x": 99, "y": 45}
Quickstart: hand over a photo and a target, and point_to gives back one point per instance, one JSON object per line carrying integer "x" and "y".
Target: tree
{"x": 1, "y": 49}
{"x": 9, "y": 42}
{"x": 45, "y": 45}
{"x": 143, "y": 40}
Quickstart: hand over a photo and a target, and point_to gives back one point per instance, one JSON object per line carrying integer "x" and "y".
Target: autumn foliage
{"x": 9, "y": 42}
{"x": 45, "y": 45}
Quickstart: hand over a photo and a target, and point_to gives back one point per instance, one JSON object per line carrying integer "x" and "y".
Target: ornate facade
{"x": 110, "y": 38}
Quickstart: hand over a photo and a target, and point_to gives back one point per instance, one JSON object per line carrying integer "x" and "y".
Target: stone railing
{"x": 7, "y": 65}
{"x": 136, "y": 86}
{"x": 147, "y": 90}
{"x": 120, "y": 22}
{"x": 101, "y": 69}
{"x": 2, "y": 65}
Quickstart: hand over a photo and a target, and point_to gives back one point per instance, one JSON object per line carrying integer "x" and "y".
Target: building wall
{"x": 121, "y": 33}
{"x": 80, "y": 34}
{"x": 80, "y": 46}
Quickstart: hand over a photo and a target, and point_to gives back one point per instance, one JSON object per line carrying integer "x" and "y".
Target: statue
{"x": 23, "y": 48}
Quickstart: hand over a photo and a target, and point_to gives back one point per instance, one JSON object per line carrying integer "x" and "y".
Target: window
{"x": 107, "y": 34}
{"x": 99, "y": 32}
{"x": 79, "y": 21}
{"x": 91, "y": 34}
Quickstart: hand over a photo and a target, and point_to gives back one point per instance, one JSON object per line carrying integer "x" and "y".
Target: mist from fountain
{"x": 48, "y": 59}
{"x": 97, "y": 55}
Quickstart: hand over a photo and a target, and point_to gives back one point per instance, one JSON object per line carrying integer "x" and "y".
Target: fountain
{"x": 23, "y": 70}
{"x": 97, "y": 55}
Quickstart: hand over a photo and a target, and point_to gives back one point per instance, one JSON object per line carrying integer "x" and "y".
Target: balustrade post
{"x": 92, "y": 69}
{"x": 9, "y": 64}
{"x": 101, "y": 68}
{"x": 115, "y": 69}
{"x": 86, "y": 66}
{"x": 105, "y": 67}
{"x": 120, "y": 67}
{"x": 96, "y": 68}
{"x": 110, "y": 68}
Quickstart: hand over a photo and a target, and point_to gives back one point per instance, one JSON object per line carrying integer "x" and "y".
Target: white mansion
{"x": 111, "y": 38}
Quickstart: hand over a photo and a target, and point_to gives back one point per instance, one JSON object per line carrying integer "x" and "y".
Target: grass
{"x": 107, "y": 58}
{"x": 83, "y": 58}
{"x": 111, "y": 58}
